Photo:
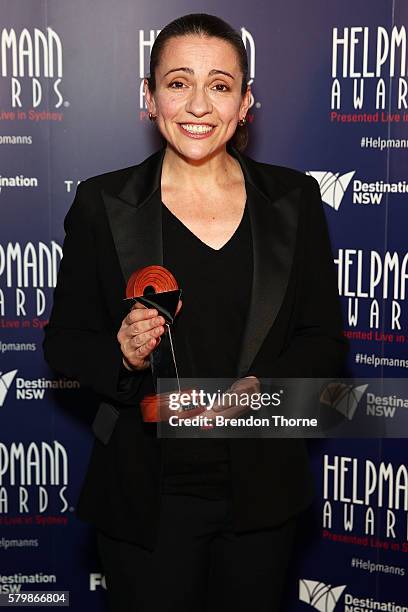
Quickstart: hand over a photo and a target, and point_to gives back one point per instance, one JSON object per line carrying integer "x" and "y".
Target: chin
{"x": 198, "y": 150}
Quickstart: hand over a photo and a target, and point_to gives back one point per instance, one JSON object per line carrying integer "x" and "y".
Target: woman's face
{"x": 198, "y": 99}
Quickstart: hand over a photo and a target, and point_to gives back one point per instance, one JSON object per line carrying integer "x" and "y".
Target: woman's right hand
{"x": 139, "y": 334}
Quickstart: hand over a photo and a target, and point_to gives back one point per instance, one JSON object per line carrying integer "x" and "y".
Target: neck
{"x": 216, "y": 168}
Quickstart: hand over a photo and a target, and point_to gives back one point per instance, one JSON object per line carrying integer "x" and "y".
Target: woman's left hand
{"x": 247, "y": 386}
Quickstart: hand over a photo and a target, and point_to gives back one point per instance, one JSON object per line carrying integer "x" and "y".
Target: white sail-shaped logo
{"x": 5, "y": 382}
{"x": 332, "y": 186}
{"x": 344, "y": 398}
{"x": 323, "y": 597}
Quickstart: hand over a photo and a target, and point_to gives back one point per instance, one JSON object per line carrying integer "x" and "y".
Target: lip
{"x": 196, "y": 136}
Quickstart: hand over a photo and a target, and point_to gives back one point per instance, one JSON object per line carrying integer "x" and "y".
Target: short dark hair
{"x": 203, "y": 25}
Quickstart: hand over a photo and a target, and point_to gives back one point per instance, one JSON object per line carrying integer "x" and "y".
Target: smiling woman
{"x": 213, "y": 85}
{"x": 197, "y": 101}
{"x": 197, "y": 108}
{"x": 178, "y": 519}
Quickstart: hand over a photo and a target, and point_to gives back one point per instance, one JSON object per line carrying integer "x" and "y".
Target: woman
{"x": 203, "y": 523}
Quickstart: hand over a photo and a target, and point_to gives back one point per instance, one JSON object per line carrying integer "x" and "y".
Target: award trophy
{"x": 156, "y": 287}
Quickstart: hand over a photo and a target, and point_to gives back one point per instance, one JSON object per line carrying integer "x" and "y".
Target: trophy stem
{"x": 173, "y": 355}
{"x": 163, "y": 362}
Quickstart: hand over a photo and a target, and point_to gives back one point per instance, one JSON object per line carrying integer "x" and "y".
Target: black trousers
{"x": 199, "y": 563}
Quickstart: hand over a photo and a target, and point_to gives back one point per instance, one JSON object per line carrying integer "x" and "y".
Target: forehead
{"x": 197, "y": 50}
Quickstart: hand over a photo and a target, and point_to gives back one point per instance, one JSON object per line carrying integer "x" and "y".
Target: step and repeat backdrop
{"x": 330, "y": 97}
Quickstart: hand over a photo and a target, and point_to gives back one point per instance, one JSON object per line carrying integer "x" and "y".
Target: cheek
{"x": 169, "y": 106}
{"x": 228, "y": 110}
{"x": 230, "y": 119}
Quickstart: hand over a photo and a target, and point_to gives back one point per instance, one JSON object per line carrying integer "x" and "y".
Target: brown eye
{"x": 221, "y": 87}
{"x": 176, "y": 85}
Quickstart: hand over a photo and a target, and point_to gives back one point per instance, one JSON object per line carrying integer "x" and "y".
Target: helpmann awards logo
{"x": 34, "y": 481}
{"x": 369, "y": 74}
{"x": 31, "y": 64}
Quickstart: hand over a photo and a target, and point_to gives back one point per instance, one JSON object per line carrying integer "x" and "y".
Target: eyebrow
{"x": 191, "y": 71}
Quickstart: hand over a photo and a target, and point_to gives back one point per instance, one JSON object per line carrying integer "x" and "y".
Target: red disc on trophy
{"x": 152, "y": 279}
{"x": 155, "y": 287}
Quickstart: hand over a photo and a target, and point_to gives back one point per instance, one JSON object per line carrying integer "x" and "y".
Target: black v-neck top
{"x": 207, "y": 334}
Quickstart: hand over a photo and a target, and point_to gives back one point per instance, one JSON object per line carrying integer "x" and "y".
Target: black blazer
{"x": 294, "y": 328}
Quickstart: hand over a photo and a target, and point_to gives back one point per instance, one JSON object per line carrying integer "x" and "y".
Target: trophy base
{"x": 156, "y": 408}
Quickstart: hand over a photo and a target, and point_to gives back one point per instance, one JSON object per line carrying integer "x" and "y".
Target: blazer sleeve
{"x": 317, "y": 346}
{"x": 79, "y": 340}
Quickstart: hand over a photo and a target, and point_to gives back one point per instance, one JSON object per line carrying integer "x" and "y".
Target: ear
{"x": 245, "y": 103}
{"x": 150, "y": 103}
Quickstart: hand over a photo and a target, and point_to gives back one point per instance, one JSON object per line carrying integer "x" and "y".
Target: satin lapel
{"x": 136, "y": 231}
{"x": 135, "y": 217}
{"x": 273, "y": 227}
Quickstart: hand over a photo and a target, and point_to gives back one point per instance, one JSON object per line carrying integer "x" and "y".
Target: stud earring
{"x": 152, "y": 117}
{"x": 242, "y": 122}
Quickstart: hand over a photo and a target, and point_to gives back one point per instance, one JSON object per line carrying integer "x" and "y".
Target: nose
{"x": 198, "y": 102}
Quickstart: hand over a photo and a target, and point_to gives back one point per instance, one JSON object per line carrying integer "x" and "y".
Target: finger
{"x": 140, "y": 314}
{"x": 145, "y": 325}
{"x": 143, "y": 351}
{"x": 140, "y": 306}
{"x": 138, "y": 358}
{"x": 140, "y": 339}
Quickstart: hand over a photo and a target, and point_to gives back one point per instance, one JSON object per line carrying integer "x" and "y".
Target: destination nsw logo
{"x": 327, "y": 598}
{"x": 35, "y": 388}
{"x": 18, "y": 180}
{"x": 321, "y": 596}
{"x": 32, "y": 388}
{"x": 333, "y": 187}
{"x": 5, "y": 382}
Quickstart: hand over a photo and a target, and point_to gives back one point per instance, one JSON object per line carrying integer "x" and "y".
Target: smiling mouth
{"x": 197, "y": 128}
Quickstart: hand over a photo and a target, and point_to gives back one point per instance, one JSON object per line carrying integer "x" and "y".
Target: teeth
{"x": 196, "y": 129}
